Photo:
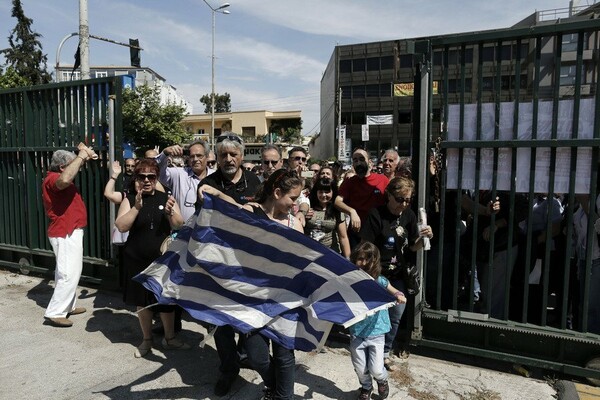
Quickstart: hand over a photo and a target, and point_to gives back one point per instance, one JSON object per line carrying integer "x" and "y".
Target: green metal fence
{"x": 34, "y": 122}
{"x": 519, "y": 120}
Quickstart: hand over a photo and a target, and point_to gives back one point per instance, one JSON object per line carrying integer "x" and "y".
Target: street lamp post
{"x": 221, "y": 10}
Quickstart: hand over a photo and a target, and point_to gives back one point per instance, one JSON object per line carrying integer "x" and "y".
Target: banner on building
{"x": 484, "y": 163}
{"x": 365, "y": 132}
{"x": 408, "y": 89}
{"x": 380, "y": 119}
{"x": 342, "y": 143}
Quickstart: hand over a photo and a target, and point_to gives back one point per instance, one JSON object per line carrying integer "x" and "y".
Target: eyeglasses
{"x": 129, "y": 165}
{"x": 211, "y": 163}
{"x": 270, "y": 162}
{"x": 249, "y": 168}
{"x": 402, "y": 200}
{"x": 198, "y": 156}
{"x": 233, "y": 138}
{"x": 316, "y": 171}
{"x": 143, "y": 177}
{"x": 298, "y": 158}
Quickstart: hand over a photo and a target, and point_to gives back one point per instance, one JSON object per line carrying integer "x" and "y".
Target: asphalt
{"x": 94, "y": 359}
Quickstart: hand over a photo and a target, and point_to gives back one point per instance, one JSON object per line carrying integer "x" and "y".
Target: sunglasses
{"x": 233, "y": 138}
{"x": 270, "y": 162}
{"x": 211, "y": 163}
{"x": 249, "y": 168}
{"x": 298, "y": 158}
{"x": 316, "y": 171}
{"x": 143, "y": 177}
{"x": 402, "y": 200}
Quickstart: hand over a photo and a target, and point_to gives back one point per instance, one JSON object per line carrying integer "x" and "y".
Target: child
{"x": 368, "y": 335}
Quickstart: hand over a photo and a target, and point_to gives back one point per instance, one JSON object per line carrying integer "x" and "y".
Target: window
{"x": 358, "y": 65}
{"x": 346, "y": 92}
{"x": 569, "y": 43}
{"x": 358, "y": 92}
{"x": 385, "y": 90}
{"x": 373, "y": 90}
{"x": 358, "y": 118}
{"x": 487, "y": 54}
{"x": 345, "y": 66}
{"x": 438, "y": 57}
{"x": 568, "y": 73}
{"x": 346, "y": 118}
{"x": 101, "y": 74}
{"x": 200, "y": 131}
{"x": 373, "y": 64}
{"x": 404, "y": 117}
{"x": 248, "y": 131}
{"x": 387, "y": 62}
{"x": 454, "y": 85}
{"x": 66, "y": 76}
{"x": 406, "y": 61}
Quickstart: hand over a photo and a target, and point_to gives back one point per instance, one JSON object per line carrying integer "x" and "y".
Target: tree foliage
{"x": 147, "y": 123}
{"x": 222, "y": 103}
{"x": 288, "y": 130}
{"x": 11, "y": 79}
{"x": 25, "y": 54}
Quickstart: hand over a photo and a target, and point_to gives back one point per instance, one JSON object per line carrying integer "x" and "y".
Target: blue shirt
{"x": 374, "y": 325}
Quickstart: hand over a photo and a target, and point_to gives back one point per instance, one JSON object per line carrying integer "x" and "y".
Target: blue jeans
{"x": 593, "y": 322}
{"x": 367, "y": 359}
{"x": 277, "y": 373}
{"x": 395, "y": 317}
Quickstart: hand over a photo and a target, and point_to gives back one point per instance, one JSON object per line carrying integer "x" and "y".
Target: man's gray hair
{"x": 60, "y": 158}
{"x": 268, "y": 147}
{"x": 200, "y": 142}
{"x": 391, "y": 151}
{"x": 234, "y": 140}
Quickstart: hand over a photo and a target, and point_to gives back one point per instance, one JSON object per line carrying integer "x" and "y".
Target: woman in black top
{"x": 149, "y": 215}
{"x": 393, "y": 228}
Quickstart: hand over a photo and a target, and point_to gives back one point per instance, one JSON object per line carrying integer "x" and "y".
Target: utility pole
{"x": 84, "y": 39}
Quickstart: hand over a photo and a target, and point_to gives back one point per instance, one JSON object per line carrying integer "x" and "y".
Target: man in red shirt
{"x": 360, "y": 193}
{"x": 68, "y": 216}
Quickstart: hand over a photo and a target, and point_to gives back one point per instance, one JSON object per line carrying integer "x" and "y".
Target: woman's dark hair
{"x": 326, "y": 185}
{"x": 280, "y": 179}
{"x": 370, "y": 253}
{"x": 146, "y": 164}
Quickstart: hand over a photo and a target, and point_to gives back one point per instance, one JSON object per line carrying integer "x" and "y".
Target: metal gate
{"x": 34, "y": 122}
{"x": 515, "y": 115}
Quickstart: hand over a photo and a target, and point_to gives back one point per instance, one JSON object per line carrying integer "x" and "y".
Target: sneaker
{"x": 60, "y": 322}
{"x": 365, "y": 394}
{"x": 383, "y": 389}
{"x": 269, "y": 395}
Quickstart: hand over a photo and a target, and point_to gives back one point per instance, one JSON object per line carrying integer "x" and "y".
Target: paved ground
{"x": 94, "y": 360}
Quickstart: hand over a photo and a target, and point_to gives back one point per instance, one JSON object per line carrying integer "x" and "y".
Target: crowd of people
{"x": 365, "y": 212}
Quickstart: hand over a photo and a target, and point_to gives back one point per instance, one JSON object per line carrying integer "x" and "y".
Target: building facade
{"x": 373, "y": 84}
{"x": 139, "y": 76}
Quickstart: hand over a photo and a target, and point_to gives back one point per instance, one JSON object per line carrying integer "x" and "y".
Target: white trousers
{"x": 69, "y": 263}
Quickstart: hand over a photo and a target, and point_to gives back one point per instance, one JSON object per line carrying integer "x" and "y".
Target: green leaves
{"x": 147, "y": 123}
{"x": 222, "y": 103}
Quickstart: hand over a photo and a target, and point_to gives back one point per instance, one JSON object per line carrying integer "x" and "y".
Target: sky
{"x": 269, "y": 54}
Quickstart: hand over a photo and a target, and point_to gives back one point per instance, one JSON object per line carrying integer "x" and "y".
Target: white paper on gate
{"x": 484, "y": 163}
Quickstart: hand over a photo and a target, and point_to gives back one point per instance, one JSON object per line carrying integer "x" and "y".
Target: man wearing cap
{"x": 68, "y": 216}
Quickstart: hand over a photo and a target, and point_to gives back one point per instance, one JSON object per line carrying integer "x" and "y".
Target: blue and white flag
{"x": 235, "y": 268}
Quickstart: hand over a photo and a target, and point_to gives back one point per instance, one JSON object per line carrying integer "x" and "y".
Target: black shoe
{"x": 224, "y": 384}
{"x": 383, "y": 389}
{"x": 268, "y": 395}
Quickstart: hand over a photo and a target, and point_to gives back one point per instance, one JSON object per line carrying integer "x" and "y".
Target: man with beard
{"x": 184, "y": 181}
{"x": 360, "y": 193}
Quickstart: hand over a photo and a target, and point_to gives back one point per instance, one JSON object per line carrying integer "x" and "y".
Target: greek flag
{"x": 232, "y": 267}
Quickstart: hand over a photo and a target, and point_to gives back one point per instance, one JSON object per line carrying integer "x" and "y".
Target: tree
{"x": 147, "y": 123}
{"x": 11, "y": 79}
{"x": 25, "y": 54}
{"x": 222, "y": 103}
